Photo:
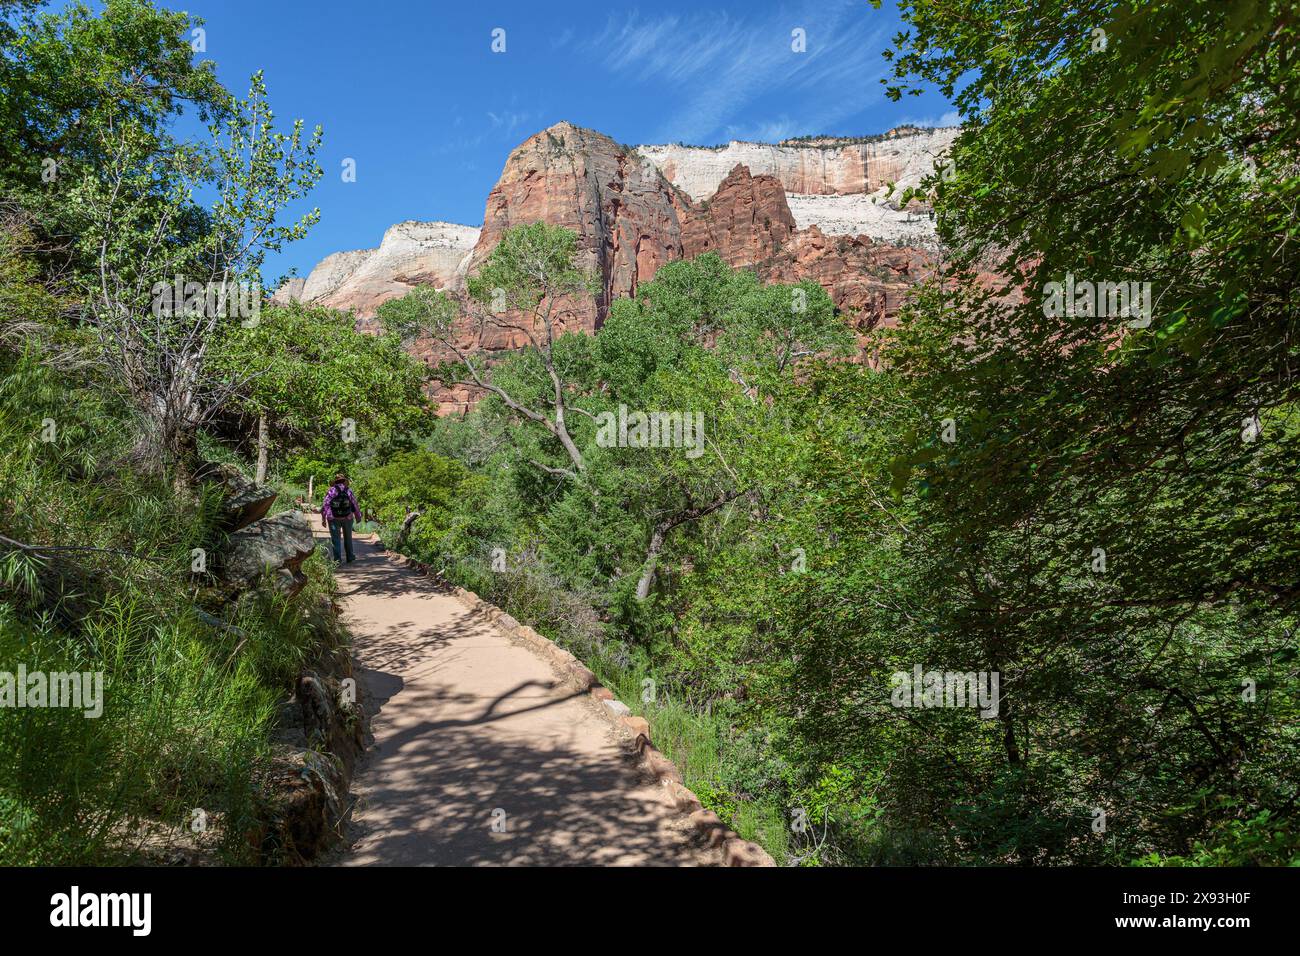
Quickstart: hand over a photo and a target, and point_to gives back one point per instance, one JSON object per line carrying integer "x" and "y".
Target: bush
{"x": 188, "y": 708}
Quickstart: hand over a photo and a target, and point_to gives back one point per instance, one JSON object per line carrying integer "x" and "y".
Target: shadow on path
{"x": 480, "y": 755}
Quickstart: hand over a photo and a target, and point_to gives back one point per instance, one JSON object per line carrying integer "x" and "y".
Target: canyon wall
{"x": 787, "y": 211}
{"x": 624, "y": 212}
{"x": 825, "y": 167}
{"x": 410, "y": 254}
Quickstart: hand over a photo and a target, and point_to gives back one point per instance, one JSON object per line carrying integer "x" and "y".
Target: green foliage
{"x": 1097, "y": 509}
{"x": 1156, "y": 686}
{"x": 530, "y": 265}
{"x": 90, "y": 152}
{"x": 64, "y": 74}
{"x": 415, "y": 481}
{"x": 1259, "y": 840}
{"x": 104, "y": 586}
{"x": 309, "y": 370}
{"x": 95, "y": 566}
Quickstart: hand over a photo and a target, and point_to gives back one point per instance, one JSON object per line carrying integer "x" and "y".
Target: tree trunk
{"x": 406, "y": 529}
{"x": 263, "y": 442}
{"x": 562, "y": 433}
{"x": 660, "y": 534}
{"x": 651, "y": 559}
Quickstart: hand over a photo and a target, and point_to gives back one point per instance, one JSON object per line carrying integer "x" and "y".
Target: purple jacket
{"x": 329, "y": 496}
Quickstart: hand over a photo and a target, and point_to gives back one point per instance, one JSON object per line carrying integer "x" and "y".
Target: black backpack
{"x": 341, "y": 505}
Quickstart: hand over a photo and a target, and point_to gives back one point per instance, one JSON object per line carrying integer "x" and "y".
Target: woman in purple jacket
{"x": 338, "y": 511}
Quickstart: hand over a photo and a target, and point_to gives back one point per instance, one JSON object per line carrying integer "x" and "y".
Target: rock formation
{"x": 841, "y": 186}
{"x": 866, "y": 280}
{"x": 746, "y": 220}
{"x": 829, "y": 166}
{"x": 795, "y": 210}
{"x": 410, "y": 254}
{"x": 623, "y": 210}
{"x": 257, "y": 543}
{"x": 242, "y": 501}
{"x": 280, "y": 543}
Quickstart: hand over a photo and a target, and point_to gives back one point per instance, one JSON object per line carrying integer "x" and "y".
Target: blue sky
{"x": 412, "y": 91}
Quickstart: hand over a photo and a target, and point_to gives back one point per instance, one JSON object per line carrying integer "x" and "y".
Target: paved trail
{"x": 466, "y": 722}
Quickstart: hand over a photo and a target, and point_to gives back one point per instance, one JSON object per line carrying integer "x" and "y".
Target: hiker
{"x": 337, "y": 512}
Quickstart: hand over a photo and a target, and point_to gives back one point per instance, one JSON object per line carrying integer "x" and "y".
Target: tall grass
{"x": 188, "y": 707}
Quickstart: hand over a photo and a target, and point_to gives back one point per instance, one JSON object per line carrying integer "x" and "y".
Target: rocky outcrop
{"x": 256, "y": 543}
{"x": 280, "y": 544}
{"x": 410, "y": 254}
{"x": 791, "y": 211}
{"x": 861, "y": 214}
{"x": 627, "y": 217}
{"x": 746, "y": 221}
{"x": 290, "y": 291}
{"x": 623, "y": 210}
{"x": 636, "y": 208}
{"x": 331, "y": 273}
{"x": 868, "y": 281}
{"x": 319, "y": 739}
{"x": 243, "y": 502}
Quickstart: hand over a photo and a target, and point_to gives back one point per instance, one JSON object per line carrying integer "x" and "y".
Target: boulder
{"x": 244, "y": 501}
{"x": 290, "y": 581}
{"x": 283, "y": 541}
{"x": 618, "y": 708}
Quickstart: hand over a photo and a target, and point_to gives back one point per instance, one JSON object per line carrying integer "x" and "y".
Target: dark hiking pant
{"x": 344, "y": 526}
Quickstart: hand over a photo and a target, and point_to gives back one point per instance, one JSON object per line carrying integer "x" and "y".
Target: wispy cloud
{"x": 501, "y": 125}
{"x": 950, "y": 118}
{"x": 718, "y": 65}
{"x": 507, "y": 121}
{"x": 765, "y": 131}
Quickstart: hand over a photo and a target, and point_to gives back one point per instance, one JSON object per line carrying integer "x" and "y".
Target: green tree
{"x": 1093, "y": 496}
{"x": 309, "y": 379}
{"x": 415, "y": 488}
{"x": 155, "y": 342}
{"x": 529, "y": 287}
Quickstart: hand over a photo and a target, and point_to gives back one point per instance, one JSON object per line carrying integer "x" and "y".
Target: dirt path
{"x": 471, "y": 729}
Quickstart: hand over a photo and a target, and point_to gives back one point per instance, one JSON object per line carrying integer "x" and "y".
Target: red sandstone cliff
{"x": 621, "y": 207}
{"x": 630, "y": 221}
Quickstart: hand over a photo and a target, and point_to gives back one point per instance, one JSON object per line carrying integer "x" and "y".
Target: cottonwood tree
{"x": 1171, "y": 447}
{"x": 144, "y": 233}
{"x": 704, "y": 339}
{"x": 529, "y": 287}
{"x": 301, "y": 372}
{"x": 64, "y": 73}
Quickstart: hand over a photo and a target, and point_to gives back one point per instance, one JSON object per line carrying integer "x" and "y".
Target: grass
{"x": 189, "y": 707}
